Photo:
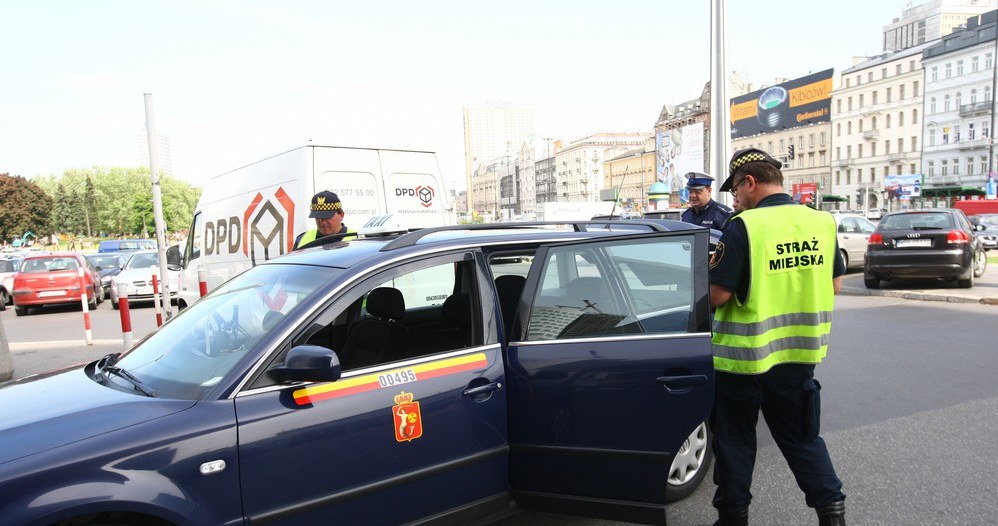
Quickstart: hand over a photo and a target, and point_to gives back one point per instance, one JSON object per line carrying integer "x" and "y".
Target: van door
{"x": 612, "y": 373}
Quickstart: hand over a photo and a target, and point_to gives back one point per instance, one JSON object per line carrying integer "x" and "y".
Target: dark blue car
{"x": 453, "y": 374}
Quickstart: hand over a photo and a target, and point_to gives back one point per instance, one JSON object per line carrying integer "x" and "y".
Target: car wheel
{"x": 690, "y": 465}
{"x": 980, "y": 263}
{"x": 3, "y": 299}
{"x": 966, "y": 283}
{"x": 845, "y": 258}
{"x": 114, "y": 302}
{"x": 99, "y": 289}
{"x": 20, "y": 311}
{"x": 871, "y": 282}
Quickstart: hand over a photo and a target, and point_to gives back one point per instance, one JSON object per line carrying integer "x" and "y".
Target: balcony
{"x": 974, "y": 144}
{"x": 871, "y": 135}
{"x": 842, "y": 163}
{"x": 895, "y": 158}
{"x": 976, "y": 108}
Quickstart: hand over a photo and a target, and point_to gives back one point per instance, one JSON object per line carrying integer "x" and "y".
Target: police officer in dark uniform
{"x": 782, "y": 262}
{"x": 703, "y": 210}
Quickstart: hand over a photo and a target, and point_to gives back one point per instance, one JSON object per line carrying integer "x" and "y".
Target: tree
{"x": 25, "y": 208}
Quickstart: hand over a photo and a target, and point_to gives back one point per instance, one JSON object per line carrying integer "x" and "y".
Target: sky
{"x": 233, "y": 82}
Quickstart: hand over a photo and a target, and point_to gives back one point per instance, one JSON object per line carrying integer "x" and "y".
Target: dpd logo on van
{"x": 269, "y": 224}
{"x": 424, "y": 193}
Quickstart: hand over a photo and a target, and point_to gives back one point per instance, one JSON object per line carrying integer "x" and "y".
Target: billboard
{"x": 903, "y": 187}
{"x": 677, "y": 152}
{"x": 798, "y": 102}
{"x": 805, "y": 193}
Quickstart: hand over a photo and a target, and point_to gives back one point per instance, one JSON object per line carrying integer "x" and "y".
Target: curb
{"x": 918, "y": 296}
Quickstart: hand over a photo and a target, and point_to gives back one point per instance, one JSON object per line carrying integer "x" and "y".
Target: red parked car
{"x": 54, "y": 278}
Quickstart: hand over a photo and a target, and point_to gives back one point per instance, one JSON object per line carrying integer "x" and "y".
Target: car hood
{"x": 50, "y": 411}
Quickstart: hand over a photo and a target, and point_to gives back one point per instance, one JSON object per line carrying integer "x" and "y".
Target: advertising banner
{"x": 903, "y": 187}
{"x": 677, "y": 152}
{"x": 805, "y": 193}
{"x": 991, "y": 188}
{"x": 794, "y": 103}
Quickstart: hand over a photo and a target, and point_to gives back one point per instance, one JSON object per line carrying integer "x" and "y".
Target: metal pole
{"x": 157, "y": 201}
{"x": 720, "y": 121}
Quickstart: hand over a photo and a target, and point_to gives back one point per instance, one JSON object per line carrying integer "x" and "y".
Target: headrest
{"x": 386, "y": 302}
{"x": 457, "y": 310}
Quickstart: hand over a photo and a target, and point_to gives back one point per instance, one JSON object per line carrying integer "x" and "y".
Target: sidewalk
{"x": 984, "y": 291}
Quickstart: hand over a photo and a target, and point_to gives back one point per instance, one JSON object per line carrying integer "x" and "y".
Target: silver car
{"x": 853, "y": 235}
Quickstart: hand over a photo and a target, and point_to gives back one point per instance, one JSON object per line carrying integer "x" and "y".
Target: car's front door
{"x": 611, "y": 372}
{"x": 408, "y": 432}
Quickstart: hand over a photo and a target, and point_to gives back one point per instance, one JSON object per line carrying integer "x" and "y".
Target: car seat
{"x": 381, "y": 336}
{"x": 508, "y": 291}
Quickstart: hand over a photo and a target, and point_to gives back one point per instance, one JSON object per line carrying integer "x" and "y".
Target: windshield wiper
{"x": 105, "y": 366}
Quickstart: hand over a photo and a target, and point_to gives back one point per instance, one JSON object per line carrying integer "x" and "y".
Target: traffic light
{"x": 790, "y": 152}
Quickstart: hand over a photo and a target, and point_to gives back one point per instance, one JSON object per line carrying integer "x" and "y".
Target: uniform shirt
{"x": 712, "y": 215}
{"x": 730, "y": 264}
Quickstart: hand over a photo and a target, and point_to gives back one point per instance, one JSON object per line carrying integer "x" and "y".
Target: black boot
{"x": 732, "y": 518}
{"x": 833, "y": 514}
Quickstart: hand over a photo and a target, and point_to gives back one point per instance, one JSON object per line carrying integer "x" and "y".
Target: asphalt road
{"x": 910, "y": 412}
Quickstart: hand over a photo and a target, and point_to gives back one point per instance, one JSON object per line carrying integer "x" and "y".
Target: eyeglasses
{"x": 734, "y": 189}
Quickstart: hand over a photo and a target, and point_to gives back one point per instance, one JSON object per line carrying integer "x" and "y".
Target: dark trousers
{"x": 788, "y": 396}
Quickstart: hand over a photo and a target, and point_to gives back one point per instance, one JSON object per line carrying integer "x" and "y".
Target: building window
{"x": 838, "y": 177}
{"x": 781, "y": 145}
{"x": 988, "y": 60}
{"x": 934, "y": 75}
{"x": 822, "y": 160}
{"x": 897, "y": 69}
{"x": 860, "y": 100}
{"x": 946, "y": 102}
{"x": 869, "y": 76}
{"x": 848, "y": 154}
{"x": 932, "y": 168}
{"x": 956, "y": 166}
{"x": 849, "y": 100}
{"x": 911, "y": 67}
{"x": 900, "y": 118}
{"x": 860, "y": 125}
{"x": 822, "y": 139}
{"x": 847, "y": 82}
{"x": 800, "y": 142}
{"x": 973, "y": 96}
{"x": 901, "y": 92}
{"x": 975, "y": 63}
{"x": 984, "y": 165}
{"x": 838, "y": 106}
{"x": 888, "y": 95}
{"x": 848, "y": 176}
{"x": 873, "y": 175}
{"x": 838, "y": 153}
{"x": 911, "y": 171}
{"x": 987, "y": 93}
{"x": 932, "y": 138}
{"x": 849, "y": 128}
{"x": 859, "y": 151}
{"x": 956, "y": 134}
{"x": 945, "y": 135}
{"x": 887, "y": 146}
{"x": 811, "y": 140}
{"x": 959, "y": 99}
{"x": 874, "y": 98}
{"x": 914, "y": 143}
{"x": 900, "y": 144}
{"x": 970, "y": 132}
{"x": 859, "y": 176}
{"x": 944, "y": 168}
{"x": 914, "y": 116}
{"x": 887, "y": 121}
{"x": 838, "y": 129}
{"x": 914, "y": 89}
{"x": 883, "y": 73}
{"x": 873, "y": 149}
{"x": 959, "y": 67}
{"x": 932, "y": 105}
{"x": 949, "y": 70}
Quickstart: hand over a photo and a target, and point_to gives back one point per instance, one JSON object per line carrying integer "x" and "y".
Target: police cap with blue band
{"x": 698, "y": 180}
{"x": 743, "y": 157}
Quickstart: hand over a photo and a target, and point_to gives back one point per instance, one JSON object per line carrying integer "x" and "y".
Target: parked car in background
{"x": 137, "y": 274}
{"x": 853, "y": 234}
{"x": 126, "y": 245}
{"x": 108, "y": 265}
{"x": 50, "y": 279}
{"x": 675, "y": 214}
{"x": 8, "y": 267}
{"x": 875, "y": 213}
{"x": 989, "y": 234}
{"x": 917, "y": 244}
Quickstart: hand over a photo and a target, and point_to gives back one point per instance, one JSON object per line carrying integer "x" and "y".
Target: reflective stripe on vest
{"x": 787, "y": 315}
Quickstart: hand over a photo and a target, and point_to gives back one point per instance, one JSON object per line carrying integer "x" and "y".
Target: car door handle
{"x": 682, "y": 384}
{"x": 482, "y": 389}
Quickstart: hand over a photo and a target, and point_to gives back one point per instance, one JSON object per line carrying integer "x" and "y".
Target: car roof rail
{"x": 410, "y": 239}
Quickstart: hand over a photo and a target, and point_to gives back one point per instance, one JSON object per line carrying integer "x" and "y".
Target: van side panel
{"x": 415, "y": 189}
{"x": 355, "y": 176}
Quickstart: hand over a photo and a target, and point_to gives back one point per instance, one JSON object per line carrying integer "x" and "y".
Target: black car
{"x": 918, "y": 244}
{"x": 108, "y": 265}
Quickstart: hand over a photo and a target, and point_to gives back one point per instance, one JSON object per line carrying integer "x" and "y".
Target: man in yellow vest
{"x": 327, "y": 210}
{"x": 773, "y": 280}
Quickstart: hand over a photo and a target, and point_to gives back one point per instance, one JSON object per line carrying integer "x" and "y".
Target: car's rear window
{"x": 920, "y": 221}
{"x": 49, "y": 264}
{"x": 7, "y": 265}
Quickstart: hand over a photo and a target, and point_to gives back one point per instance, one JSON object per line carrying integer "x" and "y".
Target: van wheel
{"x": 690, "y": 465}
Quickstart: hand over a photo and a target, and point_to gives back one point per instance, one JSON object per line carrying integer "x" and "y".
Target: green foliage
{"x": 24, "y": 207}
{"x": 117, "y": 200}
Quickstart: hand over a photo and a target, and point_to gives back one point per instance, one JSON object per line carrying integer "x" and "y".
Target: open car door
{"x": 609, "y": 371}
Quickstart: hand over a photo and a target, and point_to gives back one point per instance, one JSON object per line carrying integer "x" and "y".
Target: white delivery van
{"x": 252, "y": 214}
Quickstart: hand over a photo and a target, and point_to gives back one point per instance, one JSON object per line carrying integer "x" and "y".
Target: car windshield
{"x": 919, "y": 221}
{"x": 201, "y": 346}
{"x": 143, "y": 260}
{"x": 103, "y": 262}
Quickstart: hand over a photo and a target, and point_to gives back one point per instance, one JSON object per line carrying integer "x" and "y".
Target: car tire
{"x": 966, "y": 283}
{"x": 690, "y": 465}
{"x": 20, "y": 311}
{"x": 845, "y": 258}
{"x": 871, "y": 282}
{"x": 114, "y": 303}
{"x": 3, "y": 299}
{"x": 980, "y": 263}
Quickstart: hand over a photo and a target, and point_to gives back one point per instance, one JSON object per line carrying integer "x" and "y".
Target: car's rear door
{"x": 610, "y": 372}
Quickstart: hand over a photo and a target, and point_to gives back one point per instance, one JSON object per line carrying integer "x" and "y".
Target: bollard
{"x": 126, "y": 317}
{"x": 202, "y": 282}
{"x": 155, "y": 298}
{"x": 86, "y": 306}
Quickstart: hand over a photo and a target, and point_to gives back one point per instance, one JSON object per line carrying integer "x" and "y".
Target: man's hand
{"x": 719, "y": 295}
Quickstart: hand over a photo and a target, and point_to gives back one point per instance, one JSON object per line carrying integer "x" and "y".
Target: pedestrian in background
{"x": 773, "y": 279}
{"x": 703, "y": 210}
{"x": 327, "y": 210}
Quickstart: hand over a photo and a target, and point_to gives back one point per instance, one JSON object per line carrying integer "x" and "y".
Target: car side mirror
{"x": 173, "y": 259}
{"x": 980, "y": 227}
{"x": 308, "y": 363}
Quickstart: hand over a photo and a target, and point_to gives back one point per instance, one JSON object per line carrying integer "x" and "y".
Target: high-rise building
{"x": 494, "y": 130}
{"x": 163, "y": 145}
{"x": 930, "y": 21}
